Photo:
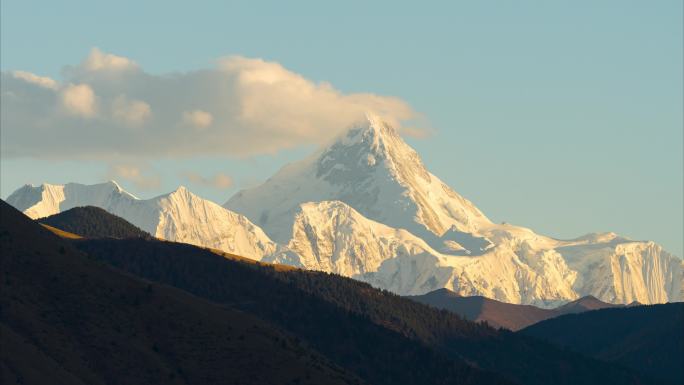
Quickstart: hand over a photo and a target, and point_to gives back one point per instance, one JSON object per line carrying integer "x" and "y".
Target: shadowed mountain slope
{"x": 305, "y": 304}
{"x": 649, "y": 339}
{"x": 68, "y": 319}
{"x": 384, "y": 338}
{"x": 94, "y": 222}
{"x": 478, "y": 309}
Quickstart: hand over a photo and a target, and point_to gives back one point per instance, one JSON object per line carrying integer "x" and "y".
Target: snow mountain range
{"x": 179, "y": 216}
{"x": 366, "y": 207}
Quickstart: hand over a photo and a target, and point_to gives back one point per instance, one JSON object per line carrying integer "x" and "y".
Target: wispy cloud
{"x": 134, "y": 174}
{"x": 108, "y": 107}
{"x": 42, "y": 81}
{"x": 218, "y": 181}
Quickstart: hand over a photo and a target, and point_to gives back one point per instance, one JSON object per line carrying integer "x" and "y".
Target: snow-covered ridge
{"x": 331, "y": 236}
{"x": 48, "y": 199}
{"x": 177, "y": 216}
{"x": 376, "y": 179}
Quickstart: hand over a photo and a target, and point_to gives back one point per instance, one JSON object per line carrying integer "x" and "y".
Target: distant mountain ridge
{"x": 501, "y": 314}
{"x": 177, "y": 216}
{"x": 366, "y": 207}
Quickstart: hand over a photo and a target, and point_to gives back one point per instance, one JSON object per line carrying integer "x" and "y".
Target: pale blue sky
{"x": 562, "y": 116}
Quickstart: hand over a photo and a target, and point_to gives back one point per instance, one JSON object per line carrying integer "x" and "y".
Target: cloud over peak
{"x": 134, "y": 174}
{"x": 241, "y": 107}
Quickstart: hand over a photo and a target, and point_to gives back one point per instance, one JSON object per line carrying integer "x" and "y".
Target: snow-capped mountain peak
{"x": 377, "y": 138}
{"x": 181, "y": 190}
{"x": 332, "y": 236}
{"x": 329, "y": 209}
{"x": 372, "y": 170}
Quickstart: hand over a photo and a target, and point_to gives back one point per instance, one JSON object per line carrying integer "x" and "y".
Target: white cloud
{"x": 134, "y": 175}
{"x": 79, "y": 99}
{"x": 198, "y": 118}
{"x": 42, "y": 81}
{"x": 100, "y": 61}
{"x": 131, "y": 112}
{"x": 281, "y": 101}
{"x": 242, "y": 107}
{"x": 219, "y": 181}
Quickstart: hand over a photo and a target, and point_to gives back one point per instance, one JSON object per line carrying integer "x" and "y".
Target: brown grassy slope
{"x": 68, "y": 319}
{"x": 477, "y": 308}
{"x": 501, "y": 314}
{"x": 61, "y": 233}
{"x": 583, "y": 304}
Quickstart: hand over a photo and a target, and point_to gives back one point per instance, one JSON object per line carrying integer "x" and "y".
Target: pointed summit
{"x": 372, "y": 141}
{"x": 370, "y": 169}
{"x": 180, "y": 190}
{"x": 374, "y": 131}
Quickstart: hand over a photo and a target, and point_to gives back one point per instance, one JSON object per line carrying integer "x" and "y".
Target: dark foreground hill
{"x": 93, "y": 222}
{"x": 381, "y": 337}
{"x": 500, "y": 314}
{"x": 649, "y": 339}
{"x": 68, "y": 319}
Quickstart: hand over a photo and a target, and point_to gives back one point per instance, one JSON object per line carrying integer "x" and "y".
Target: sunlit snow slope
{"x": 341, "y": 210}
{"x": 178, "y": 216}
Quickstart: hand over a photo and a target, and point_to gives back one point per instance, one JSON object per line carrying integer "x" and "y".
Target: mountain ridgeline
{"x": 377, "y": 335}
{"x": 366, "y": 207}
{"x": 500, "y": 314}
